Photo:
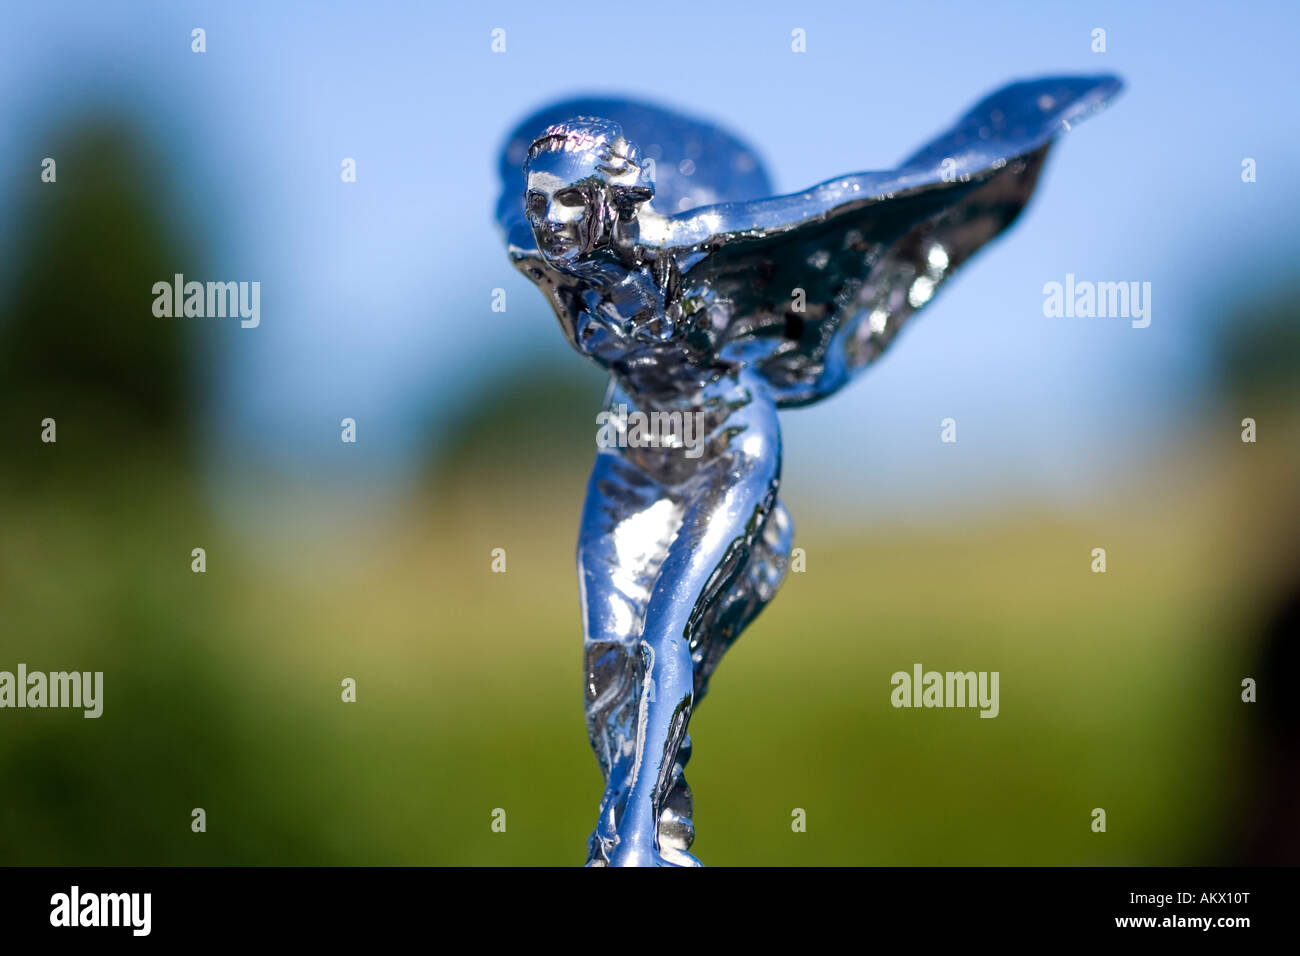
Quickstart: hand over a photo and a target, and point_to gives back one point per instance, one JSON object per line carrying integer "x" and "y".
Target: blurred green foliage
{"x": 223, "y": 692}
{"x": 222, "y": 689}
{"x": 78, "y": 340}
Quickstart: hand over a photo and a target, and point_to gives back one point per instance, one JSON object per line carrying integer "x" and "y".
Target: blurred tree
{"x": 1259, "y": 348}
{"x": 78, "y": 339}
{"x": 98, "y": 528}
{"x": 1259, "y": 370}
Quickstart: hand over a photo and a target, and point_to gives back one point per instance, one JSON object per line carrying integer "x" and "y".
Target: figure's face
{"x": 565, "y": 203}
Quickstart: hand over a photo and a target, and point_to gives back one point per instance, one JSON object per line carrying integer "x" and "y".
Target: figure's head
{"x": 581, "y": 177}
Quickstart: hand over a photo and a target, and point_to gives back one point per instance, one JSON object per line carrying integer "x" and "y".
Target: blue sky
{"x": 376, "y": 295}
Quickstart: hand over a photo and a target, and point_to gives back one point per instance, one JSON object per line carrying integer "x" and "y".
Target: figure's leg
{"x": 727, "y": 617}
{"x": 729, "y": 614}
{"x": 627, "y": 526}
{"x": 727, "y": 506}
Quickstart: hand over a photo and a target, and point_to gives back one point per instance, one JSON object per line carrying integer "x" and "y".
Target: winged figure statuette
{"x": 712, "y": 304}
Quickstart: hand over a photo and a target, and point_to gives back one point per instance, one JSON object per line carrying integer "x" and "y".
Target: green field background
{"x": 222, "y": 690}
{"x": 1118, "y": 691}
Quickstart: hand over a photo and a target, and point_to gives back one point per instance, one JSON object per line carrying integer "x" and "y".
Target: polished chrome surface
{"x": 667, "y": 262}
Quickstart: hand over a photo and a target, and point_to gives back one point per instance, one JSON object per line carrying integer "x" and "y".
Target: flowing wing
{"x": 810, "y": 288}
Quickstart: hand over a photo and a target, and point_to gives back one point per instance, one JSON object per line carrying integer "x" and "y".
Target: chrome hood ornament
{"x": 713, "y": 304}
